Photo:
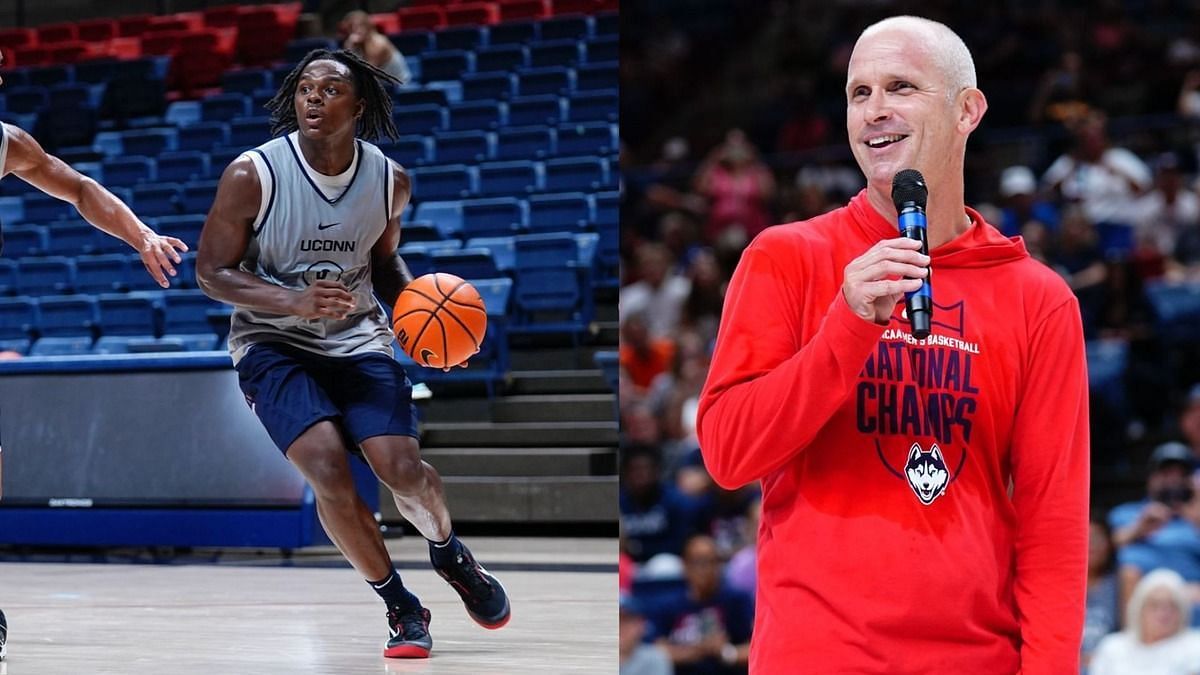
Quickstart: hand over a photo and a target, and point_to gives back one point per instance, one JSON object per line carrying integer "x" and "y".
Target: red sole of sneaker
{"x": 494, "y": 626}
{"x": 406, "y": 652}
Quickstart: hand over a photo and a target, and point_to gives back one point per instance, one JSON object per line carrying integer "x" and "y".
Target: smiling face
{"x": 901, "y": 112}
{"x": 326, "y": 102}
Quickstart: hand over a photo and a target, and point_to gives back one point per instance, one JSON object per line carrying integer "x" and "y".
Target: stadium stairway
{"x": 542, "y": 452}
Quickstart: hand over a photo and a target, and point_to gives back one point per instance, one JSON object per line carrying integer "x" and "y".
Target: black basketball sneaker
{"x": 409, "y": 634}
{"x": 3, "y": 636}
{"x": 486, "y": 601}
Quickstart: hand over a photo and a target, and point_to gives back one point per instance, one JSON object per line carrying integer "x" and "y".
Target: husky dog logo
{"x": 926, "y": 473}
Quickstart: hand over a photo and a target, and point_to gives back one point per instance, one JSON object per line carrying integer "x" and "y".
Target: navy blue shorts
{"x": 292, "y": 389}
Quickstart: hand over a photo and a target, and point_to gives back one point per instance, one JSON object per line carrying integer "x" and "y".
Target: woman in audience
{"x": 1156, "y": 639}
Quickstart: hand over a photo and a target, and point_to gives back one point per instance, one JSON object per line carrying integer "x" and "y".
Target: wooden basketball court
{"x": 252, "y": 613}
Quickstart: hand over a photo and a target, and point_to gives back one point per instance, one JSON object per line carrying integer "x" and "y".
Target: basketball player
{"x": 924, "y": 501}
{"x": 24, "y": 157}
{"x": 302, "y": 232}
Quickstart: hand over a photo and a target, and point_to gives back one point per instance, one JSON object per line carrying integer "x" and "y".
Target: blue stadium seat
{"x": 249, "y": 131}
{"x": 127, "y": 314}
{"x": 565, "y": 28}
{"x": 224, "y": 107}
{"x": 105, "y": 243}
{"x": 46, "y": 275}
{"x": 73, "y": 237}
{"x": 509, "y": 178}
{"x": 447, "y": 65}
{"x": 75, "y": 96}
{"x": 97, "y": 71}
{"x": 25, "y": 100}
{"x": 413, "y": 43}
{"x": 607, "y": 208}
{"x": 107, "y": 273}
{"x": 1107, "y": 361}
{"x": 183, "y": 227}
{"x": 576, "y": 174}
{"x": 458, "y": 37}
{"x": 555, "y": 53}
{"x": 48, "y": 76}
{"x": 419, "y": 230}
{"x": 25, "y": 240}
{"x": 8, "y": 276}
{"x": 607, "y": 23}
{"x": 596, "y": 76}
{"x": 503, "y": 249}
{"x": 182, "y": 114}
{"x": 156, "y": 199}
{"x": 12, "y": 209}
{"x": 42, "y": 208}
{"x": 185, "y": 271}
{"x": 197, "y": 196}
{"x": 594, "y": 106}
{"x": 245, "y": 81}
{"x": 608, "y": 255}
{"x": 553, "y": 80}
{"x": 468, "y": 263}
{"x": 128, "y": 171}
{"x": 488, "y": 86}
{"x": 553, "y": 291}
{"x": 297, "y": 49}
{"x": 220, "y": 159}
{"x": 62, "y": 346}
{"x": 190, "y": 312}
{"x": 409, "y": 150}
{"x": 524, "y": 143}
{"x": 603, "y": 49}
{"x": 546, "y": 109}
{"x": 475, "y": 115}
{"x": 454, "y": 181}
{"x": 1176, "y": 308}
{"x": 204, "y": 136}
{"x": 148, "y": 142}
{"x": 18, "y": 316}
{"x": 410, "y": 97}
{"x": 182, "y": 166}
{"x": 593, "y": 138}
{"x": 68, "y": 315}
{"x": 419, "y": 119}
{"x": 447, "y": 217}
{"x": 418, "y": 261}
{"x": 512, "y": 32}
{"x": 462, "y": 146}
{"x": 493, "y": 217}
{"x": 431, "y": 246}
{"x": 559, "y": 212}
{"x": 501, "y": 58}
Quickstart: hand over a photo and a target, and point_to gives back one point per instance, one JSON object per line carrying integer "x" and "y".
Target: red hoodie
{"x": 924, "y": 504}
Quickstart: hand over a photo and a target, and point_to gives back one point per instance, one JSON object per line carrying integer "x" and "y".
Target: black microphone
{"x": 910, "y": 195}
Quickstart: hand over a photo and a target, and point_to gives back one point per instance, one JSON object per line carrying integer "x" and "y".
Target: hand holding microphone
{"x": 910, "y": 195}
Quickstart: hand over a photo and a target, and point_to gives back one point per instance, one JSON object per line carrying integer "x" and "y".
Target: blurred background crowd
{"x": 733, "y": 120}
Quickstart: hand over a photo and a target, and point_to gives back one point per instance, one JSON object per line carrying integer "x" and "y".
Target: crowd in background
{"x": 733, "y": 118}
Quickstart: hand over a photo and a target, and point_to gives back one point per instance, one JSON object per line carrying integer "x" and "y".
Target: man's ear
{"x": 972, "y": 105}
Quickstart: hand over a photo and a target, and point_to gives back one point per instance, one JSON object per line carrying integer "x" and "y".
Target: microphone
{"x": 910, "y": 195}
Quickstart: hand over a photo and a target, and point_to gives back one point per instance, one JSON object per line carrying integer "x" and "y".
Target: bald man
{"x": 924, "y": 500}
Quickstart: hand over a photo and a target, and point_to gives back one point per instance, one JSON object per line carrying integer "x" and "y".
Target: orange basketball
{"x": 439, "y": 320}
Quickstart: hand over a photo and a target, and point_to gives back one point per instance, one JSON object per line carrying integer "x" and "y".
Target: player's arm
{"x": 389, "y": 274}
{"x": 1049, "y": 458}
{"x": 223, "y": 243}
{"x": 98, "y": 206}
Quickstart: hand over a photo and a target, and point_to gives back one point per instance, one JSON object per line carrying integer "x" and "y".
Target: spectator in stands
{"x": 1076, "y": 255}
{"x": 655, "y": 517}
{"x": 1189, "y": 421}
{"x": 742, "y": 571}
{"x": 637, "y": 657}
{"x": 1156, "y": 638}
{"x": 1020, "y": 203}
{"x": 705, "y": 627}
{"x": 1166, "y": 212}
{"x": 1163, "y": 528}
{"x": 702, "y": 309}
{"x": 1103, "y": 594}
{"x": 360, "y": 35}
{"x": 643, "y": 356}
{"x": 1061, "y": 95}
{"x": 1105, "y": 180}
{"x": 739, "y": 187}
{"x": 674, "y": 391}
{"x": 659, "y": 294}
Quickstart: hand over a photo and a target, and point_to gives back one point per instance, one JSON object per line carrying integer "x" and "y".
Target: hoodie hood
{"x": 980, "y": 246}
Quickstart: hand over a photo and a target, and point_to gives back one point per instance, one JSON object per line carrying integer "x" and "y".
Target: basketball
{"x": 439, "y": 320}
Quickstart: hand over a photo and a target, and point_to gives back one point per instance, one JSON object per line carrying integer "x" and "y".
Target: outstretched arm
{"x": 98, "y": 206}
{"x": 223, "y": 243}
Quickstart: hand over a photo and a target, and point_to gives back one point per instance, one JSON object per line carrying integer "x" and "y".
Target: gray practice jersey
{"x": 302, "y": 235}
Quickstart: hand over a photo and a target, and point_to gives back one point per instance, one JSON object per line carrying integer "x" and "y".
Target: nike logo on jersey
{"x": 321, "y": 226}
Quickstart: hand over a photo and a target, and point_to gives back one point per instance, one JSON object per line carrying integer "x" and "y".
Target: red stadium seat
{"x": 69, "y": 52}
{"x": 522, "y": 9}
{"x": 472, "y": 14}
{"x": 263, "y": 33}
{"x": 97, "y": 30}
{"x": 30, "y": 56}
{"x": 608, "y": 5}
{"x": 55, "y": 33}
{"x": 161, "y": 43}
{"x": 387, "y": 22}
{"x": 18, "y": 37}
{"x": 572, "y": 7}
{"x": 421, "y": 18}
{"x": 225, "y": 16}
{"x": 133, "y": 26}
{"x": 431, "y": 3}
{"x": 124, "y": 48}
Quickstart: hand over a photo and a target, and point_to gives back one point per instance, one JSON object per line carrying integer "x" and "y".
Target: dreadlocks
{"x": 376, "y": 120}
